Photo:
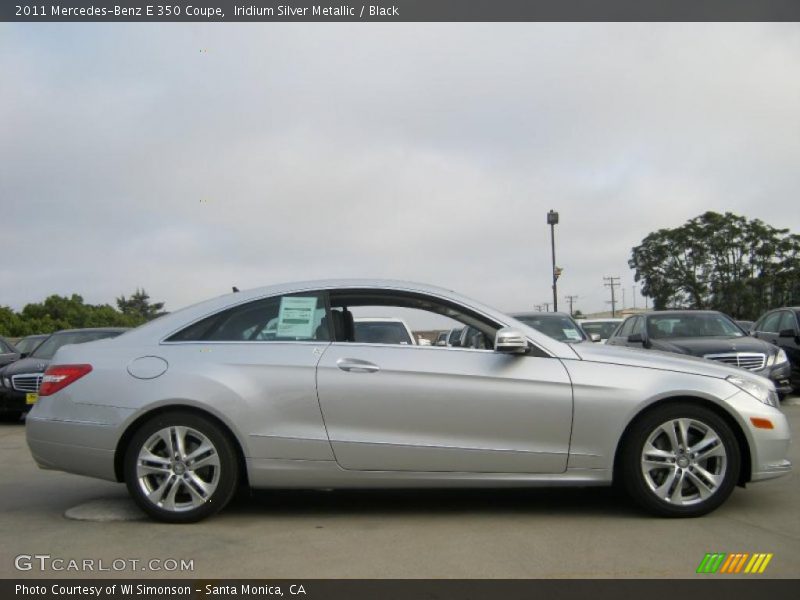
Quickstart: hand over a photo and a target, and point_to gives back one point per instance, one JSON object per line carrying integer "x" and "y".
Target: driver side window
{"x": 407, "y": 319}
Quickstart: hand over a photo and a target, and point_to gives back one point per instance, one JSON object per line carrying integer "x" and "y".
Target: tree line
{"x": 62, "y": 312}
{"x": 721, "y": 262}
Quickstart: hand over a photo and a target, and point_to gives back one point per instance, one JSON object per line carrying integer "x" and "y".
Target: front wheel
{"x": 180, "y": 467}
{"x": 680, "y": 460}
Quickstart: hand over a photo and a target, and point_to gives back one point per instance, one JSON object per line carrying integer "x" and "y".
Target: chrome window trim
{"x": 163, "y": 340}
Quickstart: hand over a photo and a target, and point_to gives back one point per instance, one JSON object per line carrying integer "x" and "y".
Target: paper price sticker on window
{"x": 296, "y": 317}
{"x": 572, "y": 334}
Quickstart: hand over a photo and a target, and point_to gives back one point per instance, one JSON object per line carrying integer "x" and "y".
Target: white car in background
{"x": 383, "y": 330}
{"x": 602, "y": 327}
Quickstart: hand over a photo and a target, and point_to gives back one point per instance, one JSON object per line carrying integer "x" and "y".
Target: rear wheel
{"x": 680, "y": 460}
{"x": 181, "y": 467}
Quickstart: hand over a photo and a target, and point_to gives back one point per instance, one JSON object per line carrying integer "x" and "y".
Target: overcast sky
{"x": 187, "y": 158}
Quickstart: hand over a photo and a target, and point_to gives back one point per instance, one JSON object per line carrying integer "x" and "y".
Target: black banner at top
{"x": 399, "y": 10}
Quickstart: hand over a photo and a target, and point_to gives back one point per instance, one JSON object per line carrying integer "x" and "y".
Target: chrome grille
{"x": 752, "y": 361}
{"x": 29, "y": 382}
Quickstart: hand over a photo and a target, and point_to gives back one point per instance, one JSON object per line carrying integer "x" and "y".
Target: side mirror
{"x": 595, "y": 337}
{"x": 786, "y": 333}
{"x": 636, "y": 338}
{"x": 510, "y": 341}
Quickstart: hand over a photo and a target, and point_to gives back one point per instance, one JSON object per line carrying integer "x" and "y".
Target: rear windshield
{"x": 381, "y": 332}
{"x": 603, "y": 329}
{"x": 557, "y": 327}
{"x": 55, "y": 341}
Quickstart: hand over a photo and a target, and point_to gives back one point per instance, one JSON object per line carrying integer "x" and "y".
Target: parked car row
{"x": 714, "y": 336}
{"x": 276, "y": 387}
{"x": 20, "y": 380}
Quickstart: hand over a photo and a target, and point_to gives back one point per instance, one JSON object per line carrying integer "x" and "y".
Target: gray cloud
{"x": 431, "y": 152}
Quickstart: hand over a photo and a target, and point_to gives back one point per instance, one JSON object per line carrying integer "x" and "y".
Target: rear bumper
{"x": 71, "y": 446}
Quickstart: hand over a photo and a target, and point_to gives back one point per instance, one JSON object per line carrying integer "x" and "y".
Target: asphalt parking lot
{"x": 409, "y": 534}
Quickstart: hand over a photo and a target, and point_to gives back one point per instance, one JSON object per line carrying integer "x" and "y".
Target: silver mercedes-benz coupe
{"x": 267, "y": 388}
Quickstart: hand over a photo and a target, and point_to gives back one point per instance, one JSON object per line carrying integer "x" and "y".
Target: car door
{"x": 427, "y": 408}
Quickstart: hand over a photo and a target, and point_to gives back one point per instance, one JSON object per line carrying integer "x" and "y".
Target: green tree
{"x": 139, "y": 306}
{"x": 720, "y": 261}
{"x": 62, "y": 312}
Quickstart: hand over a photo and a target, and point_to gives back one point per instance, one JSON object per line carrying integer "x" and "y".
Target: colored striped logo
{"x": 737, "y": 562}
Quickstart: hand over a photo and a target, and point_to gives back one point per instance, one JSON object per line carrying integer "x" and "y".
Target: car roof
{"x": 612, "y": 319}
{"x": 517, "y": 315}
{"x": 92, "y": 330}
{"x": 686, "y": 311}
{"x": 378, "y": 319}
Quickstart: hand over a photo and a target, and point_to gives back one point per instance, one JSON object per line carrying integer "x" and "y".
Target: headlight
{"x": 6, "y": 382}
{"x": 778, "y": 359}
{"x": 759, "y": 391}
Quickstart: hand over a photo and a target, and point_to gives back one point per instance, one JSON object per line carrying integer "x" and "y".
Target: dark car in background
{"x": 8, "y": 352}
{"x": 781, "y": 327}
{"x": 20, "y": 381}
{"x": 557, "y": 325}
{"x": 29, "y": 343}
{"x": 708, "y": 334}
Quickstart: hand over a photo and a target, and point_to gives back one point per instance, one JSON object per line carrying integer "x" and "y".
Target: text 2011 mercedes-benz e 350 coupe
{"x": 270, "y": 388}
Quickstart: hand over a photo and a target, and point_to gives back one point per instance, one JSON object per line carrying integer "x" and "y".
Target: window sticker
{"x": 572, "y": 334}
{"x": 296, "y": 317}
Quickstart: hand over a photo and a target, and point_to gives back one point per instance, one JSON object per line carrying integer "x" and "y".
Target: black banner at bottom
{"x": 403, "y": 589}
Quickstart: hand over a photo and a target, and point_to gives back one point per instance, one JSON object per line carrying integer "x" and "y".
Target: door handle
{"x": 356, "y": 365}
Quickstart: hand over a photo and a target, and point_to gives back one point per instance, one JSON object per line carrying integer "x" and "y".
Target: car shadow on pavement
{"x": 596, "y": 501}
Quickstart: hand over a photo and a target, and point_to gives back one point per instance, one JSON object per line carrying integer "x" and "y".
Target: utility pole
{"x": 570, "y": 299}
{"x": 546, "y": 306}
{"x": 552, "y": 220}
{"x": 613, "y": 282}
{"x": 623, "y": 298}
{"x": 633, "y": 288}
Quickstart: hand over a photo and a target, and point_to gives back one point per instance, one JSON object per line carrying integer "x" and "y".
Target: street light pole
{"x": 552, "y": 220}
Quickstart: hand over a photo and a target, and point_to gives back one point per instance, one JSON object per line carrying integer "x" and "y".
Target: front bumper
{"x": 769, "y": 448}
{"x": 780, "y": 376}
{"x": 12, "y": 401}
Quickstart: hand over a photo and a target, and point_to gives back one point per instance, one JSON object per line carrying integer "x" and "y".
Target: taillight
{"x": 57, "y": 377}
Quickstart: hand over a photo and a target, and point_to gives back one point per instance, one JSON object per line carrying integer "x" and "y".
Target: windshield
{"x": 688, "y": 326}
{"x": 381, "y": 332}
{"x": 26, "y": 345}
{"x": 557, "y": 327}
{"x": 602, "y": 328}
{"x": 54, "y": 342}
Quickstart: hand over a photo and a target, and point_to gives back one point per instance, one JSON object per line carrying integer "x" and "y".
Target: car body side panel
{"x": 264, "y": 391}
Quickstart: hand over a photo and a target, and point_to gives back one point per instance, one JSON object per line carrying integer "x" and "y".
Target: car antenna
{"x": 235, "y": 289}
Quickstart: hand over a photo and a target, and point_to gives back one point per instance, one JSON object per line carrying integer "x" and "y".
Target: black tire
{"x": 10, "y": 416}
{"x": 188, "y": 503}
{"x": 649, "y": 484}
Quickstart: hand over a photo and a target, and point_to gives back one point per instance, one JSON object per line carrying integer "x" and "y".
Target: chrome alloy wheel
{"x": 684, "y": 461}
{"x": 178, "y": 468}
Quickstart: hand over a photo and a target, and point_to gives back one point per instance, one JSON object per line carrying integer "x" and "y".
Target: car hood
{"x": 654, "y": 359}
{"x": 712, "y": 345}
{"x": 26, "y": 365}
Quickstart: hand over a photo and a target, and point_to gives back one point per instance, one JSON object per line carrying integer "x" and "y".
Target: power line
{"x": 613, "y": 283}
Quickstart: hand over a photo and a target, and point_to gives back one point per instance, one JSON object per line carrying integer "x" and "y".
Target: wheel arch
{"x": 744, "y": 446}
{"x": 133, "y": 427}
